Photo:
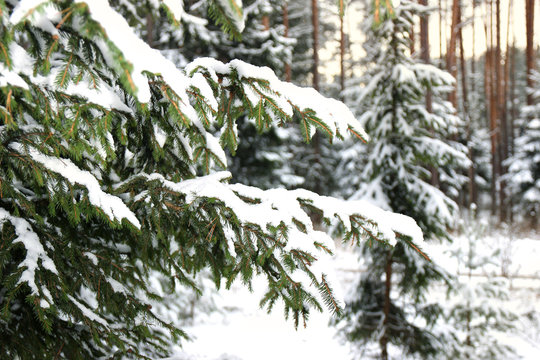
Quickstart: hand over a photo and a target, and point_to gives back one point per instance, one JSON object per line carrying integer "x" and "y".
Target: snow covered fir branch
{"x": 112, "y": 169}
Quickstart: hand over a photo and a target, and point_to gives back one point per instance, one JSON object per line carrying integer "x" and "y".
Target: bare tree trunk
{"x": 473, "y": 190}
{"x": 493, "y": 114}
{"x": 467, "y": 118}
{"x": 513, "y": 110}
{"x": 529, "y": 24}
{"x": 315, "y": 23}
{"x": 149, "y": 30}
{"x": 501, "y": 116}
{"x": 288, "y": 73}
{"x": 316, "y": 138}
{"x": 342, "y": 41}
{"x": 383, "y": 341}
{"x": 424, "y": 55}
{"x": 451, "y": 52}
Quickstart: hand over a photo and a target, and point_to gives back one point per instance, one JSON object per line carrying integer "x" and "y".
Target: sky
{"x": 516, "y": 31}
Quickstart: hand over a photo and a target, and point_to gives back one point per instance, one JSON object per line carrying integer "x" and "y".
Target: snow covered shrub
{"x": 109, "y": 176}
{"x": 477, "y": 308}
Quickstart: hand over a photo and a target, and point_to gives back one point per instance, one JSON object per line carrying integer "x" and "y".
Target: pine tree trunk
{"x": 501, "y": 118}
{"x": 288, "y": 72}
{"x": 315, "y": 24}
{"x": 424, "y": 55}
{"x": 266, "y": 22}
{"x": 424, "y": 48}
{"x": 513, "y": 110}
{"x": 529, "y": 24}
{"x": 342, "y": 56}
{"x": 492, "y": 101}
{"x": 149, "y": 30}
{"x": 451, "y": 52}
{"x": 467, "y": 118}
{"x": 383, "y": 341}
{"x": 316, "y": 138}
{"x": 473, "y": 192}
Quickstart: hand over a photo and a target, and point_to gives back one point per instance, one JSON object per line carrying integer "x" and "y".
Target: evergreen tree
{"x": 109, "y": 176}
{"x": 477, "y": 309}
{"x": 524, "y": 166}
{"x": 395, "y": 174}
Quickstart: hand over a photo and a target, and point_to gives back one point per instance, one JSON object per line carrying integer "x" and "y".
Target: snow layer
{"x": 34, "y": 253}
{"x": 111, "y": 205}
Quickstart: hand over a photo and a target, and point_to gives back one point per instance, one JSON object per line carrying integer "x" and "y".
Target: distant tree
{"x": 476, "y": 309}
{"x": 524, "y": 166}
{"x": 395, "y": 175}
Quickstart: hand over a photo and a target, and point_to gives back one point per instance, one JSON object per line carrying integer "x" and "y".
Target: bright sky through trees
{"x": 517, "y": 30}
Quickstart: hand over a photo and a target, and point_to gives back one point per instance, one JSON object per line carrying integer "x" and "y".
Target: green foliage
{"x": 101, "y": 157}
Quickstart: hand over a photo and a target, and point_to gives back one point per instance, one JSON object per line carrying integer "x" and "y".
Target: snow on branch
{"x": 34, "y": 253}
{"x": 279, "y": 207}
{"x": 335, "y": 117}
{"x": 111, "y": 205}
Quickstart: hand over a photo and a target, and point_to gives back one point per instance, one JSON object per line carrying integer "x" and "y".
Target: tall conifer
{"x": 395, "y": 174}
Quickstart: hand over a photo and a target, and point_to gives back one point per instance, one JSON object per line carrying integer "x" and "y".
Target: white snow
{"x": 111, "y": 205}
{"x": 34, "y": 253}
{"x": 233, "y": 9}
{"x": 244, "y": 329}
{"x": 88, "y": 312}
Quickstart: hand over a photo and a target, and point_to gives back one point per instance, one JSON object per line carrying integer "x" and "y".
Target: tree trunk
{"x": 315, "y": 24}
{"x": 501, "y": 117}
{"x": 316, "y": 138}
{"x": 383, "y": 341}
{"x": 424, "y": 55}
{"x": 513, "y": 110}
{"x": 149, "y": 30}
{"x": 451, "y": 51}
{"x": 424, "y": 48}
{"x": 288, "y": 73}
{"x": 466, "y": 118}
{"x": 493, "y": 121}
{"x": 342, "y": 41}
{"x": 529, "y": 24}
{"x": 473, "y": 189}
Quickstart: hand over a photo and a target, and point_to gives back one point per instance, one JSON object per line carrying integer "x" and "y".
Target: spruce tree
{"x": 524, "y": 166}
{"x": 110, "y": 174}
{"x": 395, "y": 173}
{"x": 477, "y": 309}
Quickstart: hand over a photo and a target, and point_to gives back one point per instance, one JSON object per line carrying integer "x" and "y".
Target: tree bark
{"x": 493, "y": 114}
{"x": 316, "y": 138}
{"x": 529, "y": 25}
{"x": 315, "y": 23}
{"x": 383, "y": 341}
{"x": 342, "y": 41}
{"x": 288, "y": 72}
{"x": 467, "y": 118}
{"x": 501, "y": 117}
{"x": 451, "y": 51}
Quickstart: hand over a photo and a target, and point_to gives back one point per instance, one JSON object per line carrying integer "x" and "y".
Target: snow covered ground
{"x": 242, "y": 331}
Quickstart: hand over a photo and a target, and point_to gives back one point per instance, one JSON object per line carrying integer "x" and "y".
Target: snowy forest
{"x": 269, "y": 179}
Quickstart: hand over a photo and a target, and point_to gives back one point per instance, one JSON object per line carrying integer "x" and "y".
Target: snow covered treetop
{"x": 109, "y": 159}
